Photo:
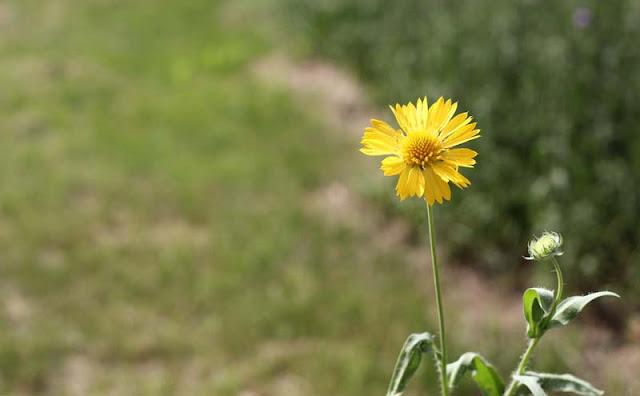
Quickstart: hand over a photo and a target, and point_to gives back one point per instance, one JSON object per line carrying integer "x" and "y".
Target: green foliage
{"x": 537, "y": 303}
{"x": 531, "y": 383}
{"x": 555, "y": 88}
{"x": 562, "y": 383}
{"x": 483, "y": 373}
{"x": 409, "y": 360}
{"x": 570, "y": 308}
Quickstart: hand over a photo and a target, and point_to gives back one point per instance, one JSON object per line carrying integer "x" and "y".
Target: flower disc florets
{"x": 420, "y": 148}
{"x": 546, "y": 246}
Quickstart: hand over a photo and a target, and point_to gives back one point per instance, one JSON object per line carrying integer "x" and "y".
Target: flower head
{"x": 547, "y": 245}
{"x": 422, "y": 152}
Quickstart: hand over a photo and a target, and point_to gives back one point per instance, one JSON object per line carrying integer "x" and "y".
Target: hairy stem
{"x": 560, "y": 287}
{"x": 436, "y": 281}
{"x": 558, "y": 297}
{"x": 522, "y": 366}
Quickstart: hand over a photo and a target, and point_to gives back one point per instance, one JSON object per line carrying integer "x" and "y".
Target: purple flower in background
{"x": 582, "y": 17}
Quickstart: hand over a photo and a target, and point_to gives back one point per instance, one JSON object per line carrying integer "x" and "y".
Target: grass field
{"x": 169, "y": 222}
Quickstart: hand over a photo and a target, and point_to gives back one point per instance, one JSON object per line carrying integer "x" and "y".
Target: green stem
{"x": 533, "y": 342}
{"x": 558, "y": 297}
{"x": 436, "y": 282}
{"x": 522, "y": 366}
{"x": 560, "y": 287}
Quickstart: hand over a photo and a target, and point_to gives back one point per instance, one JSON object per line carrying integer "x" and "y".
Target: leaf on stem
{"x": 565, "y": 383}
{"x": 483, "y": 373}
{"x": 409, "y": 361}
{"x": 532, "y": 383}
{"x": 537, "y": 303}
{"x": 570, "y": 308}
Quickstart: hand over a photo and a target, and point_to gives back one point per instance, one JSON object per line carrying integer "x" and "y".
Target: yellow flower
{"x": 422, "y": 151}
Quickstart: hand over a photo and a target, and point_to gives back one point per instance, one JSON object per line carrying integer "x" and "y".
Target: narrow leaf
{"x": 409, "y": 361}
{"x": 483, "y": 373}
{"x": 570, "y": 308}
{"x": 565, "y": 383}
{"x": 531, "y": 383}
{"x": 536, "y": 303}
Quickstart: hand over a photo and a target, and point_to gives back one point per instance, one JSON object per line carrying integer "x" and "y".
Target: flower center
{"x": 419, "y": 148}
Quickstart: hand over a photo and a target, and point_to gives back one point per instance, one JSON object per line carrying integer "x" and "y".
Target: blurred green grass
{"x": 155, "y": 231}
{"x": 152, "y": 234}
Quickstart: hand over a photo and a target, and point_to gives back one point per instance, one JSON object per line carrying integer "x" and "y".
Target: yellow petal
{"x": 445, "y": 171}
{"x": 448, "y": 173}
{"x": 438, "y": 186}
{"x": 392, "y": 166}
{"x": 384, "y": 128}
{"x": 422, "y": 113}
{"x": 461, "y": 181}
{"x": 460, "y": 157}
{"x": 373, "y": 152}
{"x": 374, "y": 134}
{"x": 471, "y": 136}
{"x": 377, "y": 143}
{"x": 450, "y": 110}
{"x": 401, "y": 187}
{"x": 413, "y": 181}
{"x": 430, "y": 185}
{"x": 443, "y": 189}
{"x": 456, "y": 122}
{"x": 434, "y": 114}
{"x": 446, "y": 190}
{"x": 401, "y": 118}
{"x": 461, "y": 135}
{"x": 421, "y": 182}
{"x": 411, "y": 116}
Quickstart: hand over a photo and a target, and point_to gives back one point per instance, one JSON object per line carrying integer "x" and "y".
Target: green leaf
{"x": 570, "y": 308}
{"x": 532, "y": 383}
{"x": 409, "y": 361}
{"x": 483, "y": 373}
{"x": 565, "y": 383}
{"x": 537, "y": 303}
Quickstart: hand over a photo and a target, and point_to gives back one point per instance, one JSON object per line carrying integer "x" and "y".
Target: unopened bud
{"x": 546, "y": 246}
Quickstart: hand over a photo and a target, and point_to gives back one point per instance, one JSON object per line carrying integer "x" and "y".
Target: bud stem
{"x": 556, "y": 301}
{"x": 513, "y": 386}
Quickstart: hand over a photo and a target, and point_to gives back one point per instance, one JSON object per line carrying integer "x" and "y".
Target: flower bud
{"x": 546, "y": 246}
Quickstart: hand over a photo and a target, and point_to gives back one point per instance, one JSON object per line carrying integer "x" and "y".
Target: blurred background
{"x": 184, "y": 210}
